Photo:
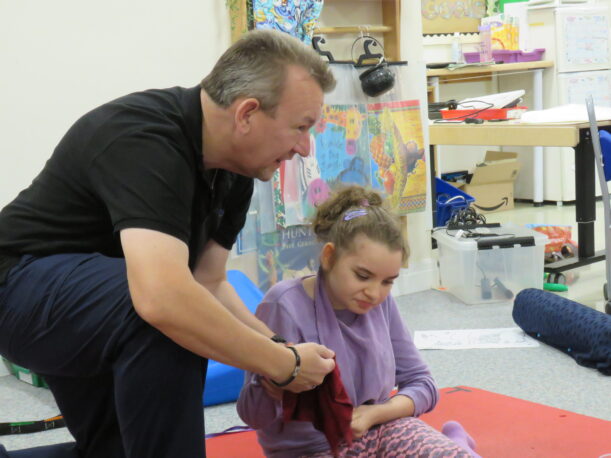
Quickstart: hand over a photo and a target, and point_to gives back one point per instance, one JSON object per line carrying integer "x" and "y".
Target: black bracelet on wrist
{"x": 278, "y": 339}
{"x": 295, "y": 371}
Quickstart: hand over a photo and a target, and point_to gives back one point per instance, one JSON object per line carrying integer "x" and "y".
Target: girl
{"x": 347, "y": 307}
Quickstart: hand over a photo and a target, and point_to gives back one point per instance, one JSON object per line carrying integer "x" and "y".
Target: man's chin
{"x": 266, "y": 174}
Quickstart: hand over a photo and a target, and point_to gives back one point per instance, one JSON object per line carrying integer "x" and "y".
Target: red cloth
{"x": 327, "y": 406}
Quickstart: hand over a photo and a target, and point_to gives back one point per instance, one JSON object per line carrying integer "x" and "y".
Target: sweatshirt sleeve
{"x": 255, "y": 407}
{"x": 413, "y": 376}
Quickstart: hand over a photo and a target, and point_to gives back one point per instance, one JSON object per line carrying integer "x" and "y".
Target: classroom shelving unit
{"x": 389, "y": 28}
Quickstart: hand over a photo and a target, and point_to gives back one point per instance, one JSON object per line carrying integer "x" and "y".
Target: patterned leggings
{"x": 406, "y": 438}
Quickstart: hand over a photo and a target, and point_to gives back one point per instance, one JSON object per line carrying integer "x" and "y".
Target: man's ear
{"x": 327, "y": 256}
{"x": 244, "y": 111}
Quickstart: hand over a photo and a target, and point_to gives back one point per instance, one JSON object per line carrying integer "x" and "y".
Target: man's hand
{"x": 363, "y": 418}
{"x": 316, "y": 362}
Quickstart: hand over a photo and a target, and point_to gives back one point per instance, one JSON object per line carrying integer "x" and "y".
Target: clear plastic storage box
{"x": 490, "y": 264}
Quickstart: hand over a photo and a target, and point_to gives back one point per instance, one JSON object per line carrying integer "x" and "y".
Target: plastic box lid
{"x": 509, "y": 236}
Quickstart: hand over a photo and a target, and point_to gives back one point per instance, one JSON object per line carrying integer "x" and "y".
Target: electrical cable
{"x": 27, "y": 427}
{"x": 470, "y": 115}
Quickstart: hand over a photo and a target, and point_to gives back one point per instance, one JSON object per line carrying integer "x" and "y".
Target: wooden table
{"x": 491, "y": 69}
{"x": 575, "y": 135}
{"x": 436, "y": 76}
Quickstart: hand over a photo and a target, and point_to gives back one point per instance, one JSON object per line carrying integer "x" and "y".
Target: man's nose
{"x": 303, "y": 145}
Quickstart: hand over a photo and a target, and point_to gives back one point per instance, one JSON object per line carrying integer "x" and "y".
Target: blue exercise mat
{"x": 223, "y": 382}
{"x": 579, "y": 331}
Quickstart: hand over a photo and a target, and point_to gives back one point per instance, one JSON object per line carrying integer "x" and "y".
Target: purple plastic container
{"x": 535, "y": 54}
{"x": 471, "y": 57}
{"x": 507, "y": 56}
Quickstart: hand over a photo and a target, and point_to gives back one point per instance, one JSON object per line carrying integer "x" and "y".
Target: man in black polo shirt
{"x": 112, "y": 262}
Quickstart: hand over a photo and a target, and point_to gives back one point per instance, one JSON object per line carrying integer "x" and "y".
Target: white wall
{"x": 59, "y": 59}
{"x": 422, "y": 272}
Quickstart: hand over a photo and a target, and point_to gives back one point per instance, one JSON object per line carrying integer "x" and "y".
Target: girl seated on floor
{"x": 347, "y": 307}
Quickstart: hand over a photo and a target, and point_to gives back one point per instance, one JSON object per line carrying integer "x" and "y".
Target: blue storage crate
{"x": 449, "y": 199}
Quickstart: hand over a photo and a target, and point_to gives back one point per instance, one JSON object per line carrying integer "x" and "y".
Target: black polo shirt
{"x": 133, "y": 162}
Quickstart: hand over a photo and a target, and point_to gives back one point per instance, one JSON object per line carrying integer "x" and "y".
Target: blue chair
{"x": 223, "y": 382}
{"x": 605, "y": 145}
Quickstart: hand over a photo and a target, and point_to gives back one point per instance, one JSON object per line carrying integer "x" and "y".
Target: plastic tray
{"x": 488, "y": 113}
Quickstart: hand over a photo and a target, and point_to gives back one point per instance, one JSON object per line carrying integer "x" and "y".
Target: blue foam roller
{"x": 579, "y": 331}
{"x": 223, "y": 382}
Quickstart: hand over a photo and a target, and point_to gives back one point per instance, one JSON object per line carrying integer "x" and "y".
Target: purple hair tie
{"x": 354, "y": 214}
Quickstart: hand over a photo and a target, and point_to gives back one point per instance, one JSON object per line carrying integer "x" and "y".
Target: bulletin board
{"x": 449, "y": 16}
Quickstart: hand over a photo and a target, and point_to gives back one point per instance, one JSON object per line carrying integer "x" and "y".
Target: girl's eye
{"x": 389, "y": 282}
{"x": 361, "y": 276}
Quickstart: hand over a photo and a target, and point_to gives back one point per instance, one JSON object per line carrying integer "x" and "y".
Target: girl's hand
{"x": 363, "y": 418}
{"x": 272, "y": 390}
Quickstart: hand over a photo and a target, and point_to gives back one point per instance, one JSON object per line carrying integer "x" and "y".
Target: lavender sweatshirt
{"x": 374, "y": 352}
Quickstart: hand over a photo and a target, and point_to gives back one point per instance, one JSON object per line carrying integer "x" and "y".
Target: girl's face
{"x": 360, "y": 279}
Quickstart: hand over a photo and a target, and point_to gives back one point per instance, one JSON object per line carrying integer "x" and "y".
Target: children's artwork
{"x": 287, "y": 253}
{"x": 397, "y": 154}
{"x": 295, "y": 17}
{"x": 341, "y": 152}
{"x": 378, "y": 145}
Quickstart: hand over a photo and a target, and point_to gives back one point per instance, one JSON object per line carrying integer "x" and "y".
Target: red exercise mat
{"x": 502, "y": 426}
{"x": 234, "y": 445}
{"x": 506, "y": 427}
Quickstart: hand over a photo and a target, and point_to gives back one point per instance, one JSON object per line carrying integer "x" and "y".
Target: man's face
{"x": 279, "y": 136}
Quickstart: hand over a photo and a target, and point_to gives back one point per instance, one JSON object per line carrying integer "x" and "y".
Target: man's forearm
{"x": 226, "y": 295}
{"x": 191, "y": 316}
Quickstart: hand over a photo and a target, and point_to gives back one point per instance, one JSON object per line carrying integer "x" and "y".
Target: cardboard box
{"x": 492, "y": 182}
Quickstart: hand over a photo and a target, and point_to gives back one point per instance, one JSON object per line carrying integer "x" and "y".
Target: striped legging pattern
{"x": 405, "y": 438}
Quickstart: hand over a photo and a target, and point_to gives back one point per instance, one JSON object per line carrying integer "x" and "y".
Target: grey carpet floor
{"x": 540, "y": 374}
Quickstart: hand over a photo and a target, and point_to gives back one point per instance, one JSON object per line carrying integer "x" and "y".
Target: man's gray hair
{"x": 256, "y": 66}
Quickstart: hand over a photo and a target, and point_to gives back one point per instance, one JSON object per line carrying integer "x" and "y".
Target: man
{"x": 112, "y": 262}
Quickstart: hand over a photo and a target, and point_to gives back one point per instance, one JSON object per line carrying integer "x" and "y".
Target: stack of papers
{"x": 565, "y": 114}
{"x": 461, "y": 339}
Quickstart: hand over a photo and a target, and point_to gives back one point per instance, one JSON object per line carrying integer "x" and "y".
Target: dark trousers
{"x": 124, "y": 388}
